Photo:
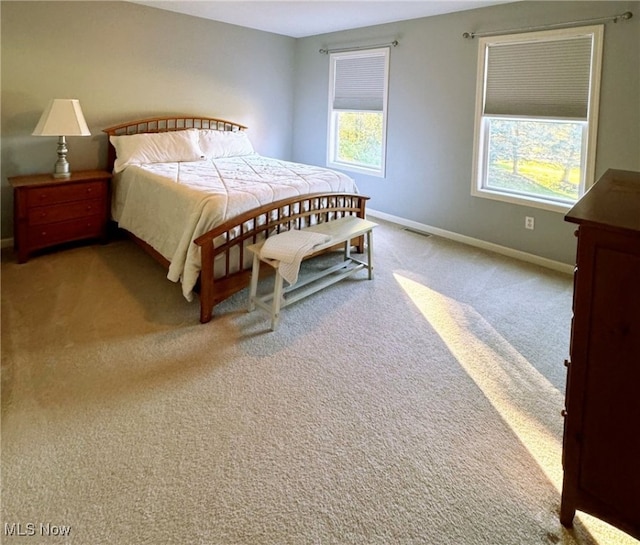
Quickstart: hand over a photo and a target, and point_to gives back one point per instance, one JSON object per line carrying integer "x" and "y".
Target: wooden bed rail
{"x": 225, "y": 246}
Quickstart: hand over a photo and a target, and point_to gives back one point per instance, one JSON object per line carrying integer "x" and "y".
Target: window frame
{"x": 481, "y": 129}
{"x": 332, "y": 140}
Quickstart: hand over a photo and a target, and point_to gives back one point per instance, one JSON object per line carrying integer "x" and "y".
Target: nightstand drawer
{"x": 39, "y": 196}
{"x": 61, "y": 212}
{"x": 41, "y": 236}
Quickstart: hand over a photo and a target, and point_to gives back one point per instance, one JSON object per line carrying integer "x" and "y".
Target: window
{"x": 536, "y": 116}
{"x": 358, "y": 110}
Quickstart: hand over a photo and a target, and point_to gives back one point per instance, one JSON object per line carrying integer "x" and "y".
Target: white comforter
{"x": 168, "y": 205}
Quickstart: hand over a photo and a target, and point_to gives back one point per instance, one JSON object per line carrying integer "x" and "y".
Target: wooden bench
{"x": 341, "y": 231}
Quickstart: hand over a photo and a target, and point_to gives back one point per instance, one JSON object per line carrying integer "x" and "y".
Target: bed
{"x": 194, "y": 194}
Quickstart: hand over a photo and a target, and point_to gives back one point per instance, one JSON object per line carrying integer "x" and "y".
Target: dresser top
{"x": 613, "y": 201}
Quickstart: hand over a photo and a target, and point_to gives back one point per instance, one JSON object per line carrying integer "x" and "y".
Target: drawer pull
{"x": 564, "y": 413}
{"x": 567, "y": 363}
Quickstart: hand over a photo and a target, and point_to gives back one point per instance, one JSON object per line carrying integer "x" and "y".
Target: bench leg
{"x": 255, "y": 273}
{"x": 370, "y": 253}
{"x": 277, "y": 298}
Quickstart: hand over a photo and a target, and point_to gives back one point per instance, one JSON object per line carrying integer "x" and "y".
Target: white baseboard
{"x": 503, "y": 250}
{"x": 6, "y": 243}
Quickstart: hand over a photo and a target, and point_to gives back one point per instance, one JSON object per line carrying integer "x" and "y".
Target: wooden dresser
{"x": 49, "y": 211}
{"x": 601, "y": 447}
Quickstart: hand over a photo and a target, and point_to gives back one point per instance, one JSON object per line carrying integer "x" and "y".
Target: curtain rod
{"x": 614, "y": 18}
{"x": 394, "y": 43}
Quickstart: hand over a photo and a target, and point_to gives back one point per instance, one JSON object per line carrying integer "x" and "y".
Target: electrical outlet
{"x": 529, "y": 222}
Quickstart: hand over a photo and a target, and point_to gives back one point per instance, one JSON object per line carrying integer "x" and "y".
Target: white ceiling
{"x": 312, "y": 17}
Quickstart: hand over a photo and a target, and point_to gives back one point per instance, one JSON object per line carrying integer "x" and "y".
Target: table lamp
{"x": 63, "y": 117}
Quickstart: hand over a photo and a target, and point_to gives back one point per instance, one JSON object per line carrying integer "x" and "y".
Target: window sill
{"x": 354, "y": 168}
{"x": 531, "y": 201}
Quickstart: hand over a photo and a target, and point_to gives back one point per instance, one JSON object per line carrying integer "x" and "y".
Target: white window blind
{"x": 359, "y": 83}
{"x": 539, "y": 78}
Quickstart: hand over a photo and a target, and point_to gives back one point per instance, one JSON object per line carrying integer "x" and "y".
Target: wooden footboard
{"x": 224, "y": 247}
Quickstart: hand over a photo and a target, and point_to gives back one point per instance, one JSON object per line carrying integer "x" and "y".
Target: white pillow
{"x": 215, "y": 144}
{"x": 161, "y": 147}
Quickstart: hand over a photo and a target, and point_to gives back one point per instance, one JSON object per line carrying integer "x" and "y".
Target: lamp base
{"x": 62, "y": 167}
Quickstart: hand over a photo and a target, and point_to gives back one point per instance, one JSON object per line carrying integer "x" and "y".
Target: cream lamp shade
{"x": 62, "y": 117}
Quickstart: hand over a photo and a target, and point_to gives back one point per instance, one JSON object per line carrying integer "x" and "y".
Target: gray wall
{"x": 431, "y": 118}
{"x": 124, "y": 61}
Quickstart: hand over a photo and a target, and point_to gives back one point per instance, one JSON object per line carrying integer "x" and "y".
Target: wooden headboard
{"x": 166, "y": 124}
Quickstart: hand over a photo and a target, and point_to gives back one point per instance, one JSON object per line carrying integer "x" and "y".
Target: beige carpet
{"x": 422, "y": 407}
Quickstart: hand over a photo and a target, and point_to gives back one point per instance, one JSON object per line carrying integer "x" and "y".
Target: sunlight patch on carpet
{"x": 522, "y": 396}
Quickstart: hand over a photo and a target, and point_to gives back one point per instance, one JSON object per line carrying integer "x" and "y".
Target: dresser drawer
{"x": 42, "y": 215}
{"x": 38, "y": 196}
{"x": 41, "y": 236}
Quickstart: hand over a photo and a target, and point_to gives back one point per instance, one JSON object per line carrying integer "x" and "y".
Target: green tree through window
{"x": 360, "y": 138}
{"x": 538, "y": 157}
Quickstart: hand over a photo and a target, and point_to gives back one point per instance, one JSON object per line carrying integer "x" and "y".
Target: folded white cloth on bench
{"x": 289, "y": 248}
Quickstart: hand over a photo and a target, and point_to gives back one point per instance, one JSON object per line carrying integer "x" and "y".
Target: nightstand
{"x": 49, "y": 211}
